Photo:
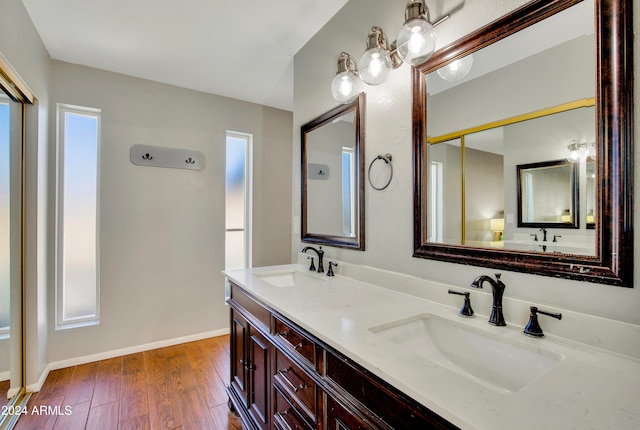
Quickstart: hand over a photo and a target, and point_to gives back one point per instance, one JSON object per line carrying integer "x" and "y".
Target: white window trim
{"x": 248, "y": 202}
{"x": 61, "y": 109}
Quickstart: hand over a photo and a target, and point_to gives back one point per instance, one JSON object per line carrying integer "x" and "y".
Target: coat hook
{"x": 190, "y": 161}
{"x": 147, "y": 157}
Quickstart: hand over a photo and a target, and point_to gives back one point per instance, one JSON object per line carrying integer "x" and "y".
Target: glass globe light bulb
{"x": 345, "y": 87}
{"x": 375, "y": 66}
{"x": 416, "y": 41}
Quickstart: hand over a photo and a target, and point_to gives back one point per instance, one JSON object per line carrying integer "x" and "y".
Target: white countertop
{"x": 589, "y": 389}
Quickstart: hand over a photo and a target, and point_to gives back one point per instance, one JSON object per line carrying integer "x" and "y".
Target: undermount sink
{"x": 499, "y": 363}
{"x": 289, "y": 278}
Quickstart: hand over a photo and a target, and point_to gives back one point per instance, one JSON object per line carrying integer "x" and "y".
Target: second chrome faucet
{"x": 497, "y": 287}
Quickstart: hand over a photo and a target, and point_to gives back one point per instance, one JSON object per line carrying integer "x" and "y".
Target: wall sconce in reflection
{"x": 456, "y": 70}
{"x": 581, "y": 151}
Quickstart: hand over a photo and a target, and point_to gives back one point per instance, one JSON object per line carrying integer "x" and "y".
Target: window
{"x": 348, "y": 193}
{"x": 77, "y": 289}
{"x": 436, "y": 202}
{"x": 238, "y": 201}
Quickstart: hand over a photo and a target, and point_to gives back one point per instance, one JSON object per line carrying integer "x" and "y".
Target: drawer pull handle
{"x": 297, "y": 346}
{"x": 291, "y": 385}
{"x": 283, "y": 333}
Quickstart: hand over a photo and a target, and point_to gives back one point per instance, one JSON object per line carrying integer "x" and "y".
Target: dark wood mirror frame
{"x": 357, "y": 242}
{"x": 575, "y": 201}
{"x": 613, "y": 263}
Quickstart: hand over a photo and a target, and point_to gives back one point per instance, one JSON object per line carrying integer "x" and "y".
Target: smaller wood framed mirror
{"x": 333, "y": 177}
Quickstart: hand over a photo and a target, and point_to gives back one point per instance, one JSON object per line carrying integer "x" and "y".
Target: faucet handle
{"x": 535, "y": 237}
{"x": 466, "y": 310}
{"x": 533, "y": 327}
{"x": 312, "y": 266}
{"x": 555, "y": 237}
{"x": 330, "y": 271}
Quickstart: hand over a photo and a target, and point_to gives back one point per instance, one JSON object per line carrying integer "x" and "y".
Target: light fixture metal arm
{"x": 346, "y": 63}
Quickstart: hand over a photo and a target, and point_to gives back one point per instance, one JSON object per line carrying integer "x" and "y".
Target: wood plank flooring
{"x": 177, "y": 387}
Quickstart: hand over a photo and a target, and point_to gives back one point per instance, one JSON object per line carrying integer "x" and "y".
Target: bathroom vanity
{"x": 315, "y": 352}
{"x": 284, "y": 377}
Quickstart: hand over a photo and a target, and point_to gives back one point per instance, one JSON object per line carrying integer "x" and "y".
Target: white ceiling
{"x": 235, "y": 48}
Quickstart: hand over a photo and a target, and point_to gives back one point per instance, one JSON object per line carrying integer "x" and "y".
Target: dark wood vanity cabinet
{"x": 285, "y": 379}
{"x": 250, "y": 369}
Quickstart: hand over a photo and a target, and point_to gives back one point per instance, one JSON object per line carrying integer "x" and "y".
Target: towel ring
{"x": 387, "y": 160}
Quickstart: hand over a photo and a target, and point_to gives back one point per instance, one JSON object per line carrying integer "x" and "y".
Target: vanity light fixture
{"x": 417, "y": 38}
{"x": 415, "y": 44}
{"x": 378, "y": 59}
{"x": 345, "y": 86}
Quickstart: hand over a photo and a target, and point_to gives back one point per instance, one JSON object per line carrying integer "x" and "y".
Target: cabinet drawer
{"x": 297, "y": 384}
{"x": 339, "y": 418}
{"x": 296, "y": 341}
{"x": 392, "y": 408}
{"x": 285, "y": 416}
{"x": 261, "y": 315}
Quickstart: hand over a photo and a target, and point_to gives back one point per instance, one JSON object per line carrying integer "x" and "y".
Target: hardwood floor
{"x": 177, "y": 387}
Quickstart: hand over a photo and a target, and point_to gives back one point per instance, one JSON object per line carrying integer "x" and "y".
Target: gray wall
{"x": 162, "y": 230}
{"x": 389, "y": 214}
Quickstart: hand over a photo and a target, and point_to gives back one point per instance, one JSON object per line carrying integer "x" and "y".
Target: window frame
{"x": 248, "y": 195}
{"x": 61, "y": 110}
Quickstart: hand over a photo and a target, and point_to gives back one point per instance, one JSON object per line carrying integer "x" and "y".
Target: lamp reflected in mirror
{"x": 456, "y": 70}
{"x": 497, "y": 227}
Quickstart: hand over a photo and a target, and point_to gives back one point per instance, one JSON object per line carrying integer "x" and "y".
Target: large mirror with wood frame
{"x": 545, "y": 82}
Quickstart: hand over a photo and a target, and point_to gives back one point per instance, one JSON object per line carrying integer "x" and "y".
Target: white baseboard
{"x": 117, "y": 353}
{"x": 5, "y": 375}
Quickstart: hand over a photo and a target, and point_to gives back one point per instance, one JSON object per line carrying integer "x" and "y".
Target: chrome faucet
{"x": 496, "y": 318}
{"x": 320, "y": 253}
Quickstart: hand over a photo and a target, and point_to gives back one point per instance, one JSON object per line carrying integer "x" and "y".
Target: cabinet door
{"x": 260, "y": 379}
{"x": 239, "y": 356}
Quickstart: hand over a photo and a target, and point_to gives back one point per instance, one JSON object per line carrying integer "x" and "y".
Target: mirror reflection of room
{"x": 509, "y": 104}
{"x": 331, "y": 179}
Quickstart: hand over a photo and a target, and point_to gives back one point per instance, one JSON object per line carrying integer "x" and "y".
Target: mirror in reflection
{"x": 547, "y": 194}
